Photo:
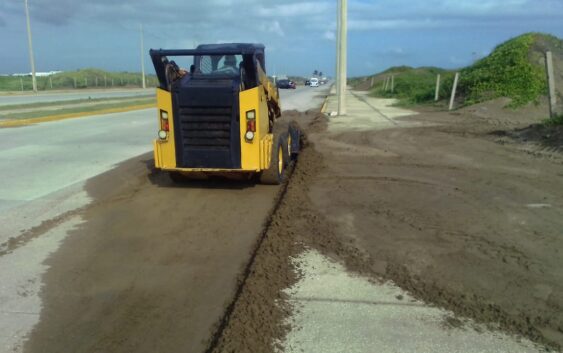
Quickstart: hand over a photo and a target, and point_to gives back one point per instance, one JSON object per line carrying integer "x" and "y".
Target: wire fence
{"x": 432, "y": 85}
{"x": 77, "y": 80}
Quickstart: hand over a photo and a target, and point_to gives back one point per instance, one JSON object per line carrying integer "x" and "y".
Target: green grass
{"x": 555, "y": 121}
{"x": 82, "y": 109}
{"x": 80, "y": 79}
{"x": 414, "y": 86}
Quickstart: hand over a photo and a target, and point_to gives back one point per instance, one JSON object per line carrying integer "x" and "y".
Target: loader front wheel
{"x": 275, "y": 174}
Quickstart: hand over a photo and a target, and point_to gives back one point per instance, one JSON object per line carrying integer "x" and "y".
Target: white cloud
{"x": 289, "y": 25}
{"x": 297, "y": 9}
{"x": 329, "y": 35}
{"x": 273, "y": 27}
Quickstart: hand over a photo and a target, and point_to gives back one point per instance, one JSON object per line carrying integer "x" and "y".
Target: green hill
{"x": 515, "y": 69}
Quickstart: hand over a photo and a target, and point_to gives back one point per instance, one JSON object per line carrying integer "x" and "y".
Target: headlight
{"x": 249, "y": 135}
{"x": 251, "y": 115}
{"x": 164, "y": 115}
{"x": 162, "y": 134}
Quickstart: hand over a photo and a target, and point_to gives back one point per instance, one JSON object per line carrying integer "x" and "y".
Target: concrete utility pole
{"x": 551, "y": 84}
{"x": 437, "y": 94}
{"x": 143, "y": 58}
{"x": 337, "y": 48}
{"x": 454, "y": 89}
{"x": 342, "y": 34}
{"x": 30, "y": 44}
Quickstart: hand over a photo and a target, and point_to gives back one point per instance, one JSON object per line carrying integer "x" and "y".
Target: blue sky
{"x": 299, "y": 35}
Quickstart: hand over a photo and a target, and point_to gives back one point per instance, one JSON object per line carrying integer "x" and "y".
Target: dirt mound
{"x": 497, "y": 112}
{"x": 454, "y": 218}
{"x": 152, "y": 267}
{"x": 431, "y": 213}
{"x": 550, "y": 137}
{"x": 257, "y": 322}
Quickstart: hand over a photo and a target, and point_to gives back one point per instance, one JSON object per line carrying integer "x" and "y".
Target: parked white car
{"x": 314, "y": 82}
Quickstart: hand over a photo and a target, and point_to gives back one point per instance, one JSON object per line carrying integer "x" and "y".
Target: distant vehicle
{"x": 314, "y": 82}
{"x": 307, "y": 82}
{"x": 286, "y": 84}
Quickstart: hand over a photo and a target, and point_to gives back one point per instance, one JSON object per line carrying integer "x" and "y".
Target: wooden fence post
{"x": 454, "y": 88}
{"x": 437, "y": 95}
{"x": 551, "y": 84}
{"x": 392, "y": 83}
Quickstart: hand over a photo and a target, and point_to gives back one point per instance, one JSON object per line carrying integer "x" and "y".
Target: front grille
{"x": 205, "y": 128}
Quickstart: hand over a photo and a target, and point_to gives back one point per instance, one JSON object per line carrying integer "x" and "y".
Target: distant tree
{"x": 320, "y": 73}
{"x": 315, "y": 73}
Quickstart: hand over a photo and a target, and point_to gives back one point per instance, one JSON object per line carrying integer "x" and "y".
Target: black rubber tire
{"x": 295, "y": 134}
{"x": 272, "y": 175}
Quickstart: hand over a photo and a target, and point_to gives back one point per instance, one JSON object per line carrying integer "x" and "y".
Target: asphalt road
{"x": 302, "y": 98}
{"x": 49, "y": 97}
{"x": 44, "y": 159}
{"x": 47, "y": 167}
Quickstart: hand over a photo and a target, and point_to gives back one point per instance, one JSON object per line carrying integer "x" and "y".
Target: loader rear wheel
{"x": 275, "y": 174}
{"x": 293, "y": 141}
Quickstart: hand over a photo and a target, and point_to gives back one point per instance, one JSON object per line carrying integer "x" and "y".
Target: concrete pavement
{"x": 41, "y": 159}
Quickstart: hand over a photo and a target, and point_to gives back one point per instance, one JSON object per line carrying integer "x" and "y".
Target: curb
{"x": 323, "y": 107}
{"x": 30, "y": 121}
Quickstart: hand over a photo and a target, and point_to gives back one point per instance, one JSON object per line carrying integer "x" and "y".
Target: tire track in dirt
{"x": 465, "y": 253}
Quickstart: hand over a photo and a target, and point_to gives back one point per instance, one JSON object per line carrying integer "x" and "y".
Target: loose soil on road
{"x": 153, "y": 266}
{"x": 452, "y": 215}
{"x": 441, "y": 204}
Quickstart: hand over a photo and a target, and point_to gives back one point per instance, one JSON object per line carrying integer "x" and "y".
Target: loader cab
{"x": 202, "y": 87}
